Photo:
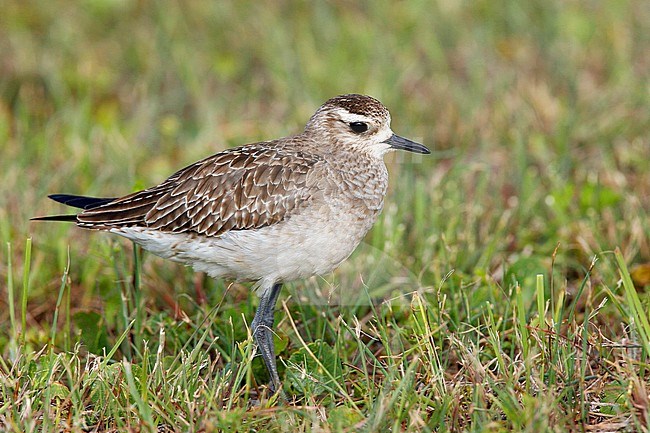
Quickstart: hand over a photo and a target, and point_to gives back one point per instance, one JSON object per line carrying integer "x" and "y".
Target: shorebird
{"x": 269, "y": 212}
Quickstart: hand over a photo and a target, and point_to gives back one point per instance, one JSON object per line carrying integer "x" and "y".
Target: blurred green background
{"x": 537, "y": 113}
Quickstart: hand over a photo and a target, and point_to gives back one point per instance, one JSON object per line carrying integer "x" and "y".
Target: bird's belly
{"x": 305, "y": 245}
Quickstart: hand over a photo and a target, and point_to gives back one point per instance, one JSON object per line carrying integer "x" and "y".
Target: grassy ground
{"x": 489, "y": 297}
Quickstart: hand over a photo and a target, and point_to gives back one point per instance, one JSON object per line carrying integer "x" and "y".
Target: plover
{"x": 268, "y": 212}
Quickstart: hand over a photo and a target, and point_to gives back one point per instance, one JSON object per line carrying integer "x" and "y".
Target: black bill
{"x": 397, "y": 142}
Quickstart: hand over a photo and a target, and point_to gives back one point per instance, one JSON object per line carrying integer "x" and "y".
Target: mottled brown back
{"x": 249, "y": 187}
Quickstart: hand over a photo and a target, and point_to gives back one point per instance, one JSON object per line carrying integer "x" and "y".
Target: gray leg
{"x": 263, "y": 332}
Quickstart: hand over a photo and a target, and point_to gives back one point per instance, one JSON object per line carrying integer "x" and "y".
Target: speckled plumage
{"x": 269, "y": 212}
{"x": 295, "y": 224}
{"x": 249, "y": 187}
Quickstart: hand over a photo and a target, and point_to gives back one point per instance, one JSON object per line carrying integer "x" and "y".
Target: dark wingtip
{"x": 79, "y": 201}
{"x": 67, "y": 218}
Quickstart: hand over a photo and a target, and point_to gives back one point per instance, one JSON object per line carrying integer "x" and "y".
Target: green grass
{"x": 504, "y": 288}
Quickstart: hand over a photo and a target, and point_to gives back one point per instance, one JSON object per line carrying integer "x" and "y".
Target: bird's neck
{"x": 365, "y": 179}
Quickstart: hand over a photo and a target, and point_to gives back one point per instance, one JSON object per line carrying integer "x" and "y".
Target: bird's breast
{"x": 358, "y": 186}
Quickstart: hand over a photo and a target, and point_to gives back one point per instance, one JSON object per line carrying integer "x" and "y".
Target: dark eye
{"x": 359, "y": 127}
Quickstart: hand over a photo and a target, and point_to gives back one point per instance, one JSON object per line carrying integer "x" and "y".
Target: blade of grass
{"x": 495, "y": 341}
{"x": 638, "y": 315}
{"x": 541, "y": 311}
{"x": 541, "y": 318}
{"x": 144, "y": 410}
{"x": 137, "y": 298}
{"x": 47, "y": 398}
{"x": 523, "y": 331}
{"x": 10, "y": 294}
{"x": 329, "y": 375}
{"x": 576, "y": 297}
{"x": 23, "y": 303}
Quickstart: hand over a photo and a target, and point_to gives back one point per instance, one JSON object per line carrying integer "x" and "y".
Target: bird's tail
{"x": 69, "y": 218}
{"x": 77, "y": 201}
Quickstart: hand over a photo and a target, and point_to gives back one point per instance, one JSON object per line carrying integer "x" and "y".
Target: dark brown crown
{"x": 359, "y": 104}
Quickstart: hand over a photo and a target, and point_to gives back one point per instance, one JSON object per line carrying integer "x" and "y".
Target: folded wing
{"x": 245, "y": 188}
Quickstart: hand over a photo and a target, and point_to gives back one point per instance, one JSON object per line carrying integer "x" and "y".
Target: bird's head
{"x": 358, "y": 122}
